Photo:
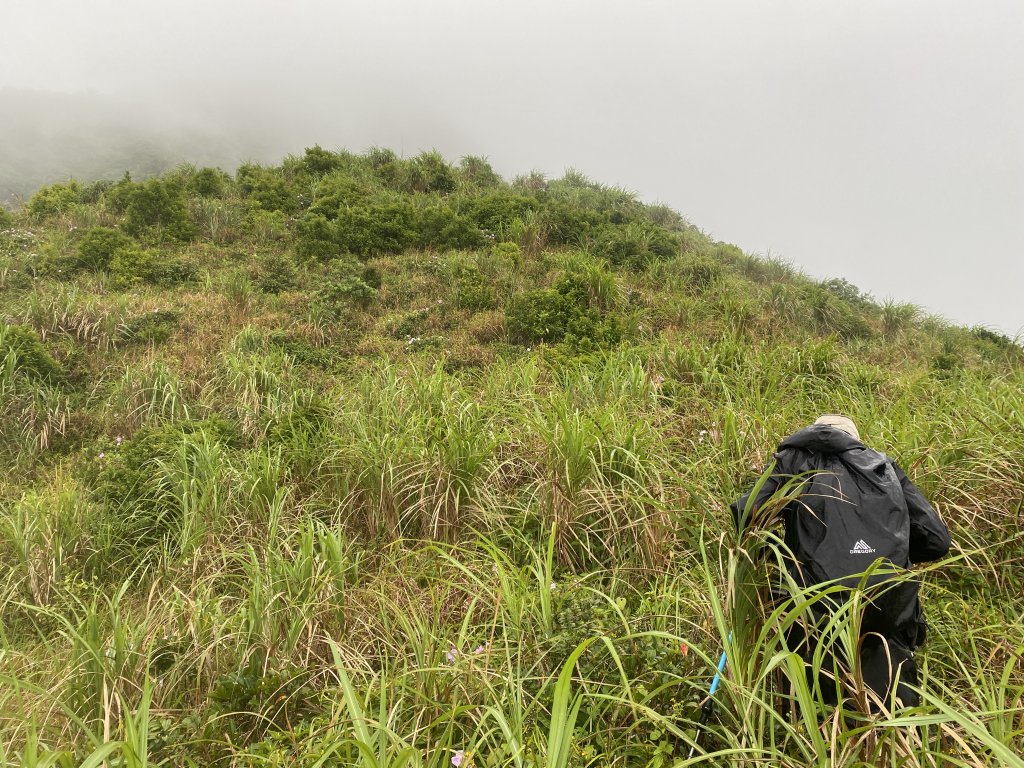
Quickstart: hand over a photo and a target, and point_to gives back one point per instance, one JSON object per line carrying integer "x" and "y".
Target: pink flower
{"x": 479, "y": 649}
{"x": 452, "y": 655}
{"x": 457, "y": 758}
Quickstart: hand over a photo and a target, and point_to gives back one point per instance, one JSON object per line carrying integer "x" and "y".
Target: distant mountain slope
{"x": 48, "y": 137}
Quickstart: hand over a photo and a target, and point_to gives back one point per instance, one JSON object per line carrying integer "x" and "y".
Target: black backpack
{"x": 848, "y": 517}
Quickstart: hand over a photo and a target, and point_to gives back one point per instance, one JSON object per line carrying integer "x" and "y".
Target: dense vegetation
{"x": 364, "y": 460}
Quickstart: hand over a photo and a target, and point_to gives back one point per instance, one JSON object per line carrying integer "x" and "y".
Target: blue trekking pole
{"x": 709, "y": 703}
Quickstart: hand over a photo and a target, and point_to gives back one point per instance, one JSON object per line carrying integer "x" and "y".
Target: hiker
{"x": 856, "y": 505}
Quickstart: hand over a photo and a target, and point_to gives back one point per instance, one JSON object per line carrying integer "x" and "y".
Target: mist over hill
{"x": 49, "y": 136}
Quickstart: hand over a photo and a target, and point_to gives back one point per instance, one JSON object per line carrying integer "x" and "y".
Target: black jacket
{"x": 855, "y": 505}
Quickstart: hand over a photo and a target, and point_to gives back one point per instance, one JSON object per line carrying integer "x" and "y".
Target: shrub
{"x": 127, "y": 480}
{"x": 505, "y": 255}
{"x": 6, "y": 218}
{"x": 385, "y": 165}
{"x": 383, "y": 226}
{"x": 995, "y": 338}
{"x": 496, "y": 211}
{"x": 478, "y": 172}
{"x": 344, "y": 285}
{"x": 209, "y": 182}
{"x": 536, "y": 316}
{"x": 151, "y": 328}
{"x": 560, "y": 314}
{"x": 30, "y": 357}
{"x": 429, "y": 172}
{"x": 845, "y": 290}
{"x": 266, "y": 225}
{"x": 275, "y": 273}
{"x": 371, "y": 230}
{"x": 94, "y": 192}
{"x": 948, "y": 362}
{"x": 636, "y": 244}
{"x": 318, "y": 161}
{"x": 440, "y": 226}
{"x": 267, "y": 187}
{"x": 54, "y": 199}
{"x": 131, "y": 266}
{"x": 158, "y": 203}
{"x": 472, "y": 291}
{"x": 336, "y": 192}
{"x": 98, "y": 245}
{"x": 317, "y": 238}
{"x": 570, "y": 224}
{"x": 117, "y": 195}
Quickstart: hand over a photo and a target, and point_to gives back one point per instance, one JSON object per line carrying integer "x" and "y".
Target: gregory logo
{"x": 861, "y": 548}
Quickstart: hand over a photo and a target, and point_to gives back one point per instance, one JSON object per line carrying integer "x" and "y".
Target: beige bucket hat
{"x": 844, "y": 423}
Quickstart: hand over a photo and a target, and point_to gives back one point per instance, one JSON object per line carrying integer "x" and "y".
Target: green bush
{"x": 131, "y": 266}
{"x": 570, "y": 224}
{"x": 275, "y": 273}
{"x": 472, "y": 290}
{"x": 496, "y": 211}
{"x": 995, "y": 337}
{"x": 561, "y": 314}
{"x": 266, "y": 225}
{"x": 126, "y": 481}
{"x": 384, "y": 225}
{"x": 30, "y": 357}
{"x": 335, "y": 192}
{"x": 344, "y": 285}
{"x": 116, "y": 196}
{"x": 441, "y": 227}
{"x": 6, "y": 219}
{"x": 318, "y": 161}
{"x": 209, "y": 182}
{"x": 381, "y": 228}
{"x": 843, "y": 289}
{"x": 636, "y": 244}
{"x": 429, "y": 172}
{"x": 95, "y": 192}
{"x": 477, "y": 171}
{"x": 151, "y": 328}
{"x": 158, "y": 203}
{"x": 267, "y": 187}
{"x": 317, "y": 238}
{"x": 54, "y": 199}
{"x": 98, "y": 245}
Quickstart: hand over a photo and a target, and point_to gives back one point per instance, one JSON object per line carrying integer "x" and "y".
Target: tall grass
{"x": 283, "y": 536}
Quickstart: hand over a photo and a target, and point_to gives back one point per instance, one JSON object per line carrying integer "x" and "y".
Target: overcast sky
{"x": 878, "y": 141}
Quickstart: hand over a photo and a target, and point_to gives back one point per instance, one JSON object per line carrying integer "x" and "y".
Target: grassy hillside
{"x": 362, "y": 460}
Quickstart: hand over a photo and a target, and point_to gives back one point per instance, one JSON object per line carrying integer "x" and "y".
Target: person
{"x": 852, "y": 505}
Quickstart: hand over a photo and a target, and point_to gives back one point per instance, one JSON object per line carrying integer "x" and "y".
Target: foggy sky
{"x": 878, "y": 141}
